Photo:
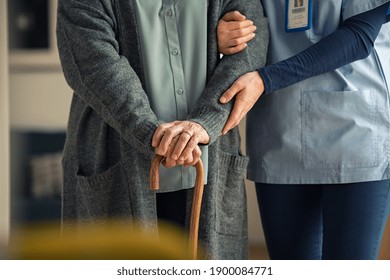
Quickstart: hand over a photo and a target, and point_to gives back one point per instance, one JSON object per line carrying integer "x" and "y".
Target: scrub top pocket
{"x": 339, "y": 130}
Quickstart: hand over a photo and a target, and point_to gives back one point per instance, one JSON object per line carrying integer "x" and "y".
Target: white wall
{"x": 39, "y": 95}
{"x": 4, "y": 129}
{"x": 39, "y": 100}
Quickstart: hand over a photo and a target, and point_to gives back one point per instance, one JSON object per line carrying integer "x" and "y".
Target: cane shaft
{"x": 196, "y": 201}
{"x": 195, "y": 211}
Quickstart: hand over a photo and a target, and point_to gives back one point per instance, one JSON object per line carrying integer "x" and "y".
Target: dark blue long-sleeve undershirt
{"x": 354, "y": 40}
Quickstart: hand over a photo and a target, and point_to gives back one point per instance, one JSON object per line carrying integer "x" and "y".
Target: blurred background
{"x": 34, "y": 106}
{"x": 39, "y": 101}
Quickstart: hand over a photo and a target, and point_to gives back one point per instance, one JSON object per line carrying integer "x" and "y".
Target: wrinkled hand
{"x": 192, "y": 158}
{"x": 234, "y": 31}
{"x": 178, "y": 142}
{"x": 247, "y": 89}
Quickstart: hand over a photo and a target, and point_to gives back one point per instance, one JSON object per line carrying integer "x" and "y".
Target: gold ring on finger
{"x": 187, "y": 133}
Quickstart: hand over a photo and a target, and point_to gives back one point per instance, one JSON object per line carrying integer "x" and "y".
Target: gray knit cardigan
{"x": 108, "y": 150}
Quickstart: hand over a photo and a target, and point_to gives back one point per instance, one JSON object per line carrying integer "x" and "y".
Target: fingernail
{"x": 222, "y": 99}
{"x": 174, "y": 157}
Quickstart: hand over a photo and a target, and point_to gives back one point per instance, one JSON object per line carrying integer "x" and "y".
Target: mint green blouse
{"x": 173, "y": 37}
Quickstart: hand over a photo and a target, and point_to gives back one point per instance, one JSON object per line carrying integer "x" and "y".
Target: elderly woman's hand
{"x": 192, "y": 158}
{"x": 178, "y": 142}
{"x": 234, "y": 31}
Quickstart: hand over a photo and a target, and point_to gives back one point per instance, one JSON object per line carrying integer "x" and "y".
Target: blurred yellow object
{"x": 103, "y": 240}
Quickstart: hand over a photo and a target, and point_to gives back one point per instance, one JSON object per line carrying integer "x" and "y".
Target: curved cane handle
{"x": 196, "y": 200}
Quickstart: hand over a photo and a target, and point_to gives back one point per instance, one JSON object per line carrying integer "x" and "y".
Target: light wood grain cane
{"x": 196, "y": 200}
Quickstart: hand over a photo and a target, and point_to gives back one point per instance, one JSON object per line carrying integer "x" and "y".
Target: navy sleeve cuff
{"x": 266, "y": 80}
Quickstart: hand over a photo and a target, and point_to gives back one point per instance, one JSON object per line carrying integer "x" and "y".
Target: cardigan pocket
{"x": 231, "y": 213}
{"x": 103, "y": 195}
{"x": 339, "y": 130}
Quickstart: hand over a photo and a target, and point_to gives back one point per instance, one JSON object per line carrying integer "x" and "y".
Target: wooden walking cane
{"x": 196, "y": 201}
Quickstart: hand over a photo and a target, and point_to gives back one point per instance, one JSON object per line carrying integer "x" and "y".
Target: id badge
{"x": 298, "y": 15}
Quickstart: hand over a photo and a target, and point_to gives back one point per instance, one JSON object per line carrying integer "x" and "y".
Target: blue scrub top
{"x": 332, "y": 128}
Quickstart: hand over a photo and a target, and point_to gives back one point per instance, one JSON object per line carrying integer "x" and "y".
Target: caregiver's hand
{"x": 247, "y": 89}
{"x": 234, "y": 31}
